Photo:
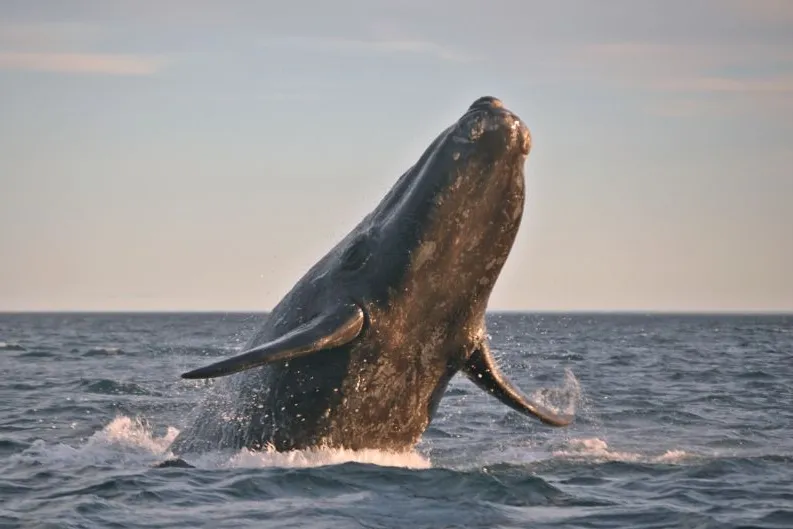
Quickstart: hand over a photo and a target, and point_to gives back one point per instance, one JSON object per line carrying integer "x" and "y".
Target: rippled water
{"x": 683, "y": 421}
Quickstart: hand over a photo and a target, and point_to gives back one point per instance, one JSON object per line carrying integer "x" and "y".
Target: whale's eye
{"x": 356, "y": 255}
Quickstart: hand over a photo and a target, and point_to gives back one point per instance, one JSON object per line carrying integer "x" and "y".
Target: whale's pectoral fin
{"x": 482, "y": 370}
{"x": 326, "y": 331}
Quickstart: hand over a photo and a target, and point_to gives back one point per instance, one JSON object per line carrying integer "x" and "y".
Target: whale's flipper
{"x": 326, "y": 331}
{"x": 482, "y": 370}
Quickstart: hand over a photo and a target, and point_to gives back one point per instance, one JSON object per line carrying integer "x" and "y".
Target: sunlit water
{"x": 681, "y": 422}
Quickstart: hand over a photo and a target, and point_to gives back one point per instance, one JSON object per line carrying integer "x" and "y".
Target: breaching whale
{"x": 359, "y": 353}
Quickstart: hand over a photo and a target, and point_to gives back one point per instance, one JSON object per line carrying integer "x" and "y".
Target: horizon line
{"x": 672, "y": 312}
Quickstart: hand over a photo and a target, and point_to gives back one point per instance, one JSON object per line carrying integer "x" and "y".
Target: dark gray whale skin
{"x": 359, "y": 353}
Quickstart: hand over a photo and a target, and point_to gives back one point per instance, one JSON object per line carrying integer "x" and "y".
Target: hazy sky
{"x": 202, "y": 155}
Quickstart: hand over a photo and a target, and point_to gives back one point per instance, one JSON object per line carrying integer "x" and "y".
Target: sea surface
{"x": 681, "y": 421}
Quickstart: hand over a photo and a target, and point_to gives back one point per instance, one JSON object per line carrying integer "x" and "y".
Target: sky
{"x": 197, "y": 155}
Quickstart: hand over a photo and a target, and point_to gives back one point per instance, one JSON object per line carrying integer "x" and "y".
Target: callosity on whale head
{"x": 359, "y": 353}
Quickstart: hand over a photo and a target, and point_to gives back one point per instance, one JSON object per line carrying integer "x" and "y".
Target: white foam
{"x": 328, "y": 456}
{"x": 131, "y": 441}
{"x": 125, "y": 432}
{"x": 597, "y": 449}
{"x": 122, "y": 439}
{"x": 104, "y": 350}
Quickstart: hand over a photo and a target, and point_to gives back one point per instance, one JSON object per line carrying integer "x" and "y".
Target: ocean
{"x": 681, "y": 421}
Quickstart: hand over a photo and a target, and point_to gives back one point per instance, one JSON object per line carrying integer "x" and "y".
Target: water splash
{"x": 564, "y": 399}
{"x": 132, "y": 441}
{"x": 597, "y": 449}
{"x": 124, "y": 439}
{"x": 125, "y": 432}
{"x": 328, "y": 456}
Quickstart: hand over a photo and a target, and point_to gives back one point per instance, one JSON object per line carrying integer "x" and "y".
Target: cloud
{"x": 679, "y": 108}
{"x": 48, "y": 36}
{"x": 373, "y": 46}
{"x": 81, "y": 63}
{"x": 703, "y": 68}
{"x": 735, "y": 77}
{"x": 68, "y": 47}
{"x": 768, "y": 11}
{"x": 776, "y": 84}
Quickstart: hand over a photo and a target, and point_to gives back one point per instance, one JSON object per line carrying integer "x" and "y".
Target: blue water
{"x": 682, "y": 421}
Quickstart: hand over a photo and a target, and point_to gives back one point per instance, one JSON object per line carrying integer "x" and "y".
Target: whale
{"x": 358, "y": 354}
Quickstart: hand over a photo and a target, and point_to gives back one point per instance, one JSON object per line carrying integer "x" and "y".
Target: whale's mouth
{"x": 487, "y": 121}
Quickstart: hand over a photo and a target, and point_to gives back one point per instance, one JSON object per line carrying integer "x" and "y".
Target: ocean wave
{"x": 36, "y": 353}
{"x": 112, "y": 387}
{"x": 755, "y": 374}
{"x": 9, "y": 446}
{"x": 124, "y": 439}
{"x": 209, "y": 351}
{"x": 327, "y": 456}
{"x": 346, "y": 483}
{"x": 103, "y": 351}
{"x": 126, "y": 436}
{"x": 596, "y": 449}
{"x": 10, "y": 346}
